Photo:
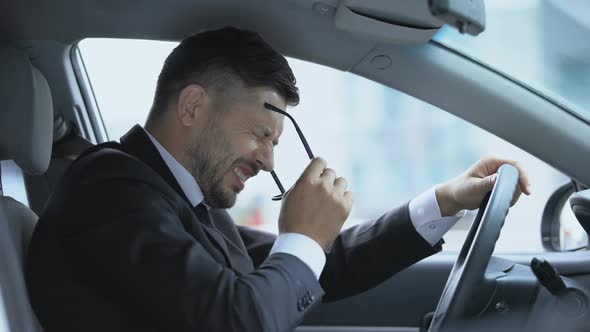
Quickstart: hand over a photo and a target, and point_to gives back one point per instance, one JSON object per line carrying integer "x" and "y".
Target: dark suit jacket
{"x": 119, "y": 248}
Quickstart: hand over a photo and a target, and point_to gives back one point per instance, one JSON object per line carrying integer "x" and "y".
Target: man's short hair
{"x": 215, "y": 59}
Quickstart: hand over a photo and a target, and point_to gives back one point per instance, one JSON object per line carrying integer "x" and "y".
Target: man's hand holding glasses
{"x": 319, "y": 203}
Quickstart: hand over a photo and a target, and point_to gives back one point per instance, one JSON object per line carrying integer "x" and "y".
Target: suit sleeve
{"x": 362, "y": 256}
{"x": 131, "y": 246}
{"x": 258, "y": 243}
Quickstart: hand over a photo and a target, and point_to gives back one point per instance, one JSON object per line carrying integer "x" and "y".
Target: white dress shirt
{"x": 424, "y": 213}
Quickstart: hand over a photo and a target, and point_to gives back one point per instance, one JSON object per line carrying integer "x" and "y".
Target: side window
{"x": 3, "y": 318}
{"x": 389, "y": 145}
{"x": 13, "y": 182}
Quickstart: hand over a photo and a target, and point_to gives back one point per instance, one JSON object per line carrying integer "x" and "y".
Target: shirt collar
{"x": 187, "y": 182}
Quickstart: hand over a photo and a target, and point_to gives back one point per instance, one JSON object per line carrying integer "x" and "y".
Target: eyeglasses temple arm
{"x": 277, "y": 181}
{"x": 299, "y": 132}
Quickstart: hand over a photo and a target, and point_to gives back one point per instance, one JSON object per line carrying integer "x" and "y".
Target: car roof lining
{"x": 68, "y": 21}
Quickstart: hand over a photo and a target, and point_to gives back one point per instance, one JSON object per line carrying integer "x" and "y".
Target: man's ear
{"x": 192, "y": 104}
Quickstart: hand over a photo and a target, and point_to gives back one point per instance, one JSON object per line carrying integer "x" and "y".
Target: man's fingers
{"x": 488, "y": 182}
{"x": 340, "y": 185}
{"x": 315, "y": 168}
{"x": 492, "y": 164}
{"x": 525, "y": 184}
{"x": 523, "y": 180}
{"x": 329, "y": 175}
{"x": 516, "y": 196}
{"x": 348, "y": 199}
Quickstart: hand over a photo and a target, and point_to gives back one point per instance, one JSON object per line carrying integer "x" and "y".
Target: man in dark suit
{"x": 136, "y": 236}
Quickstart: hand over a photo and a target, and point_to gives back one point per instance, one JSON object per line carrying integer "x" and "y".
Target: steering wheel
{"x": 467, "y": 279}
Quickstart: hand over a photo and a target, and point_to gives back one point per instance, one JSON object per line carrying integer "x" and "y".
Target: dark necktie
{"x": 203, "y": 214}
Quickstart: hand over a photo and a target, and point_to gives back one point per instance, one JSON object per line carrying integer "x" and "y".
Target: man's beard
{"x": 209, "y": 159}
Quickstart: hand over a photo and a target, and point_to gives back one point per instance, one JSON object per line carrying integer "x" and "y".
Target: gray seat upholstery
{"x": 26, "y": 129}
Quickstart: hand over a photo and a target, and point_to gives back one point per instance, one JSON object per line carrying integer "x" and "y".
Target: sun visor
{"x": 395, "y": 21}
{"x": 388, "y": 21}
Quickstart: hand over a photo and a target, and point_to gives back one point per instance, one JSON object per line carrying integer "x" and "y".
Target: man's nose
{"x": 265, "y": 159}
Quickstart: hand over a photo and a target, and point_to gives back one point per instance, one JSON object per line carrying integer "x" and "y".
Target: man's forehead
{"x": 261, "y": 95}
{"x": 251, "y": 104}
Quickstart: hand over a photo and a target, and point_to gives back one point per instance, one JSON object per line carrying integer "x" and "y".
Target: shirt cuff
{"x": 427, "y": 219}
{"x": 302, "y": 247}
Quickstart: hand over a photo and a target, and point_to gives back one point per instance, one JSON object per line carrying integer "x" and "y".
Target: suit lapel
{"x": 137, "y": 143}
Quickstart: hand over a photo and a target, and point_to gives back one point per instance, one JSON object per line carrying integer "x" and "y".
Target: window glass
{"x": 542, "y": 43}
{"x": 13, "y": 182}
{"x": 390, "y": 146}
{"x": 3, "y": 318}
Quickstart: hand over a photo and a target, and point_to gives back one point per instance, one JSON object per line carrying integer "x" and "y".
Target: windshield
{"x": 541, "y": 43}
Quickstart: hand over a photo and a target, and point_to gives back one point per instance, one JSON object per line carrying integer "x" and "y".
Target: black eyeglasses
{"x": 303, "y": 140}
